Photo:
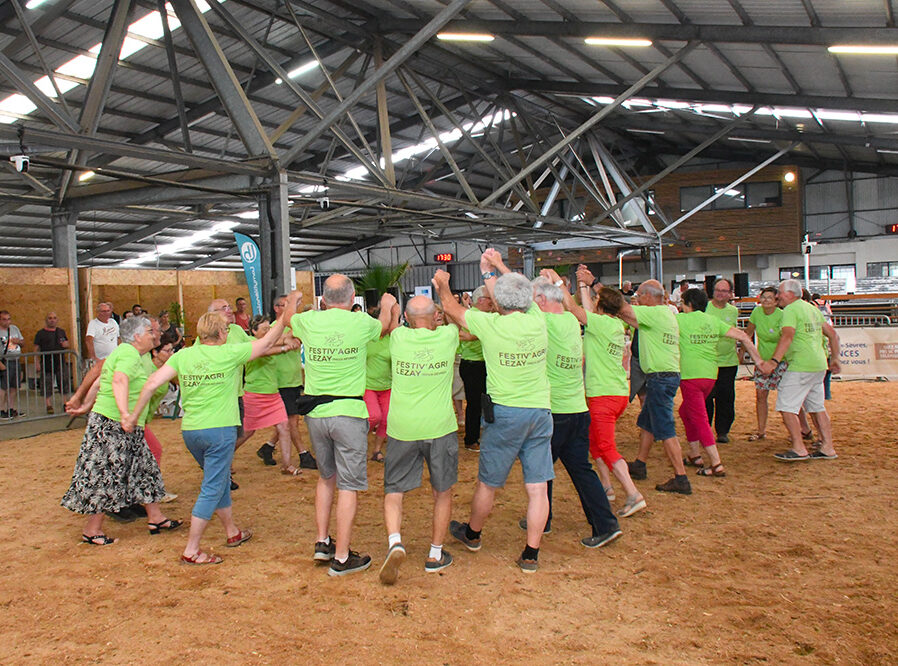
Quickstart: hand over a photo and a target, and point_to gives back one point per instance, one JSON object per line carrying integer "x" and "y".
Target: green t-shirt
{"x": 160, "y": 393}
{"x": 805, "y": 353}
{"x": 261, "y": 375}
{"x": 377, "y": 365}
{"x": 236, "y": 335}
{"x": 700, "y": 335}
{"x": 726, "y": 347}
{"x": 768, "y": 328}
{"x": 659, "y": 339}
{"x": 471, "y": 350}
{"x": 125, "y": 359}
{"x": 336, "y": 345}
{"x": 289, "y": 368}
{"x": 421, "y": 396}
{"x": 564, "y": 363}
{"x": 604, "y": 345}
{"x": 514, "y": 348}
{"x": 210, "y": 376}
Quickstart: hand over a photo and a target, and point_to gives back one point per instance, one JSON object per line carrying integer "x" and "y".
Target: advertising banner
{"x": 868, "y": 352}
{"x": 252, "y": 268}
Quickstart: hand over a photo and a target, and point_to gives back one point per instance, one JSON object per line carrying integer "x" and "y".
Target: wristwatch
{"x": 488, "y": 275}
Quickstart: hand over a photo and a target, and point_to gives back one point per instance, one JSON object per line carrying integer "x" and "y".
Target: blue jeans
{"x": 570, "y": 443}
{"x": 657, "y": 410}
{"x": 213, "y": 449}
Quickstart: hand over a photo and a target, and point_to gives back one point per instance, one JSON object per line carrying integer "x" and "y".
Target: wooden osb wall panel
{"x": 30, "y": 293}
{"x": 210, "y": 278}
{"x": 305, "y": 282}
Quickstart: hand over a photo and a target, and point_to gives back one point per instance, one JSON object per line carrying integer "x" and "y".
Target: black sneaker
{"x": 306, "y": 461}
{"x": 4, "y": 414}
{"x": 599, "y": 540}
{"x": 354, "y": 563}
{"x": 522, "y": 523}
{"x": 234, "y": 485}
{"x": 324, "y": 551}
{"x": 675, "y": 485}
{"x": 637, "y": 470}
{"x": 723, "y": 439}
{"x": 389, "y": 571}
{"x": 473, "y": 446}
{"x": 459, "y": 531}
{"x": 432, "y": 565}
{"x": 266, "y": 453}
{"x": 528, "y": 566}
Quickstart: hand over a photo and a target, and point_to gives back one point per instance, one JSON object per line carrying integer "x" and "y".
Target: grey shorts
{"x": 404, "y": 463}
{"x": 797, "y": 389}
{"x": 341, "y": 448}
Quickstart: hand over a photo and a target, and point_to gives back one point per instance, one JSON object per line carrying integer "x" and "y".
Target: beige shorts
{"x": 800, "y": 389}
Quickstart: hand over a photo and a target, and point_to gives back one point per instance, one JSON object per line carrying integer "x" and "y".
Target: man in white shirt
{"x": 676, "y": 296}
{"x": 102, "y": 334}
{"x": 11, "y": 342}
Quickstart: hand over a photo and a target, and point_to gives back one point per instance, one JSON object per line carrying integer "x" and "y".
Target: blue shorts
{"x": 657, "y": 415}
{"x": 516, "y": 432}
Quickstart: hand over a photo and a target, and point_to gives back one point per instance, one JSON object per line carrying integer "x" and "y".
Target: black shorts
{"x": 9, "y": 378}
{"x": 290, "y": 395}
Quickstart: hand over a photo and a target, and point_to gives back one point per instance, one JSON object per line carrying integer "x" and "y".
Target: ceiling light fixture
{"x": 465, "y": 37}
{"x": 299, "y": 71}
{"x": 860, "y": 49}
{"x": 617, "y": 41}
{"x": 789, "y": 177}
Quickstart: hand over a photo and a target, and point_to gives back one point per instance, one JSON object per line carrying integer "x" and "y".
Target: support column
{"x": 529, "y": 267}
{"x": 65, "y": 255}
{"x": 274, "y": 241}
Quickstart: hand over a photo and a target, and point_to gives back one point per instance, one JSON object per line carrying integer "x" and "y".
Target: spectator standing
{"x": 102, "y": 334}
{"x": 52, "y": 338}
{"x": 241, "y": 316}
{"x": 11, "y": 342}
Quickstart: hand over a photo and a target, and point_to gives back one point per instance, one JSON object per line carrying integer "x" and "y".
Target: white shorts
{"x": 801, "y": 389}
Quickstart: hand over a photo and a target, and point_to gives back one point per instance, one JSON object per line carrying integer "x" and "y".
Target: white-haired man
{"x": 520, "y": 425}
{"x": 659, "y": 357}
{"x": 801, "y": 346}
{"x": 335, "y": 343}
{"x": 421, "y": 428}
{"x": 102, "y": 336}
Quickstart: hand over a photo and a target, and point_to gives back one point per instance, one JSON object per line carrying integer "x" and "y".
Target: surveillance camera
{"x": 21, "y": 162}
{"x": 324, "y": 203}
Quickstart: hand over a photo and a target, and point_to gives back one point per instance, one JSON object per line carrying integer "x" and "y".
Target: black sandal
{"x": 97, "y": 540}
{"x": 167, "y": 525}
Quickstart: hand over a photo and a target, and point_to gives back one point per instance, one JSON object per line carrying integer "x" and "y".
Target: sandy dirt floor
{"x": 776, "y": 563}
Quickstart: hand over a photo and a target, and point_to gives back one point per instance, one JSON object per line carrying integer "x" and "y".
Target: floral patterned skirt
{"x": 114, "y": 469}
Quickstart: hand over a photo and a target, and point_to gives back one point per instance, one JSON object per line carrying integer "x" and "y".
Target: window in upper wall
{"x": 732, "y": 198}
{"x": 748, "y": 195}
{"x": 763, "y": 195}
{"x": 843, "y": 271}
{"x": 882, "y": 269}
{"x": 690, "y": 197}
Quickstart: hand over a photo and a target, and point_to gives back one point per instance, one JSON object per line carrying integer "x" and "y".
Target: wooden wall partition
{"x": 30, "y": 293}
{"x": 155, "y": 290}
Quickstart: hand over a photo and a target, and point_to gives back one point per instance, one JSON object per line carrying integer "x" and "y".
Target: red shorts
{"x": 604, "y": 411}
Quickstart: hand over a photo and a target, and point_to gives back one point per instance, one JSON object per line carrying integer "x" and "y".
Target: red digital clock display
{"x": 443, "y": 257}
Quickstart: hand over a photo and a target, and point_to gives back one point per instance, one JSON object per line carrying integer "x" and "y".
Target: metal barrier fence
{"x": 860, "y": 320}
{"x": 35, "y": 385}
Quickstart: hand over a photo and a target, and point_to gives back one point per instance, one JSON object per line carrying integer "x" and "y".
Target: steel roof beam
{"x": 711, "y": 96}
{"x": 23, "y": 83}
{"x": 406, "y": 51}
{"x": 734, "y": 34}
{"x": 583, "y": 128}
{"x": 228, "y": 88}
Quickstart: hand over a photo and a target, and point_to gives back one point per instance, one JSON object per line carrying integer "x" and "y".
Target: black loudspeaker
{"x": 709, "y": 284}
{"x": 372, "y": 298}
{"x": 740, "y": 285}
